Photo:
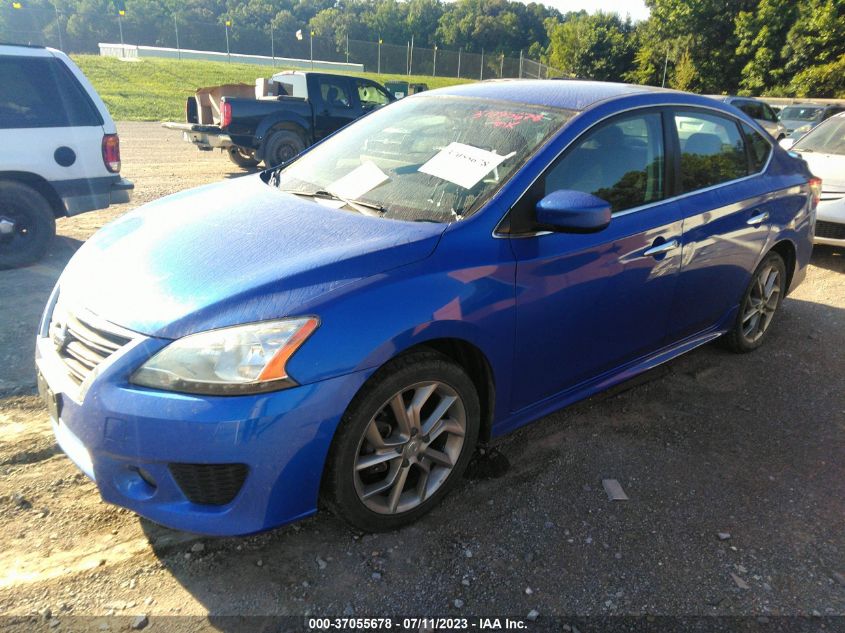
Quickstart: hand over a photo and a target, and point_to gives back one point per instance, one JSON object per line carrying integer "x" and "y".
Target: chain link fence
{"x": 81, "y": 33}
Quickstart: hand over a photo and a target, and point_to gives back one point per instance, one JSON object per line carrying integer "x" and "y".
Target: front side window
{"x": 621, "y": 162}
{"x": 752, "y": 109}
{"x": 334, "y": 93}
{"x": 425, "y": 158}
{"x": 370, "y": 95}
{"x": 769, "y": 114}
{"x": 712, "y": 150}
{"x": 41, "y": 92}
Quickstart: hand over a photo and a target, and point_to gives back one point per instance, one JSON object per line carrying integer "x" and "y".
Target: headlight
{"x": 230, "y": 361}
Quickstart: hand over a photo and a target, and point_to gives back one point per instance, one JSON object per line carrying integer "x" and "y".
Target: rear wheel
{"x": 761, "y": 300}
{"x": 280, "y": 147}
{"x": 241, "y": 157}
{"x": 404, "y": 442}
{"x": 27, "y": 225}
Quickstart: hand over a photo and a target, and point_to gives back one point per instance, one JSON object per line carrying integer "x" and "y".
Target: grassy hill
{"x": 155, "y": 89}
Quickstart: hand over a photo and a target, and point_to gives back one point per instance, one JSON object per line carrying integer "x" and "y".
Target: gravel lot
{"x": 748, "y": 446}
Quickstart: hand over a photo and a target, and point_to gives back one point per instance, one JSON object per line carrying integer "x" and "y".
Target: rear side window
{"x": 712, "y": 150}
{"x": 754, "y": 110}
{"x": 758, "y": 148}
{"x": 334, "y": 93}
{"x": 42, "y": 92}
{"x": 620, "y": 162}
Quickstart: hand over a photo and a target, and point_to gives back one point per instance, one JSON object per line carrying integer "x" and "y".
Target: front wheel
{"x": 403, "y": 443}
{"x": 27, "y": 225}
{"x": 241, "y": 157}
{"x": 761, "y": 300}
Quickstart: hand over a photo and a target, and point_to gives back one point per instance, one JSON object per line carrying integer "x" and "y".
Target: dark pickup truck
{"x": 288, "y": 112}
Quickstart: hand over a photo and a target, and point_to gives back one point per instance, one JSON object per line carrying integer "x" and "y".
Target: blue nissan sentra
{"x": 343, "y": 330}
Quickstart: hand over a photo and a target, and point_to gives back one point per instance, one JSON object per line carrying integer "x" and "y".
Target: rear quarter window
{"x": 42, "y": 92}
{"x": 758, "y": 148}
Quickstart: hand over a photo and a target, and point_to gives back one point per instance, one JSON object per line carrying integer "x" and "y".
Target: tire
{"x": 759, "y": 305}
{"x": 424, "y": 462}
{"x": 280, "y": 147}
{"x": 241, "y": 158}
{"x": 27, "y": 225}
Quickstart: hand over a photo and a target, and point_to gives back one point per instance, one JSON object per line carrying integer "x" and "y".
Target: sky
{"x": 636, "y": 8}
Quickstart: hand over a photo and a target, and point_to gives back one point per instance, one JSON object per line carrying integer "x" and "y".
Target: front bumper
{"x": 89, "y": 194}
{"x": 830, "y": 220}
{"x": 128, "y": 438}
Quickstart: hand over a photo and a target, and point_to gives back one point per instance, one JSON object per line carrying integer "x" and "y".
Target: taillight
{"x": 111, "y": 152}
{"x": 226, "y": 118}
{"x": 816, "y": 190}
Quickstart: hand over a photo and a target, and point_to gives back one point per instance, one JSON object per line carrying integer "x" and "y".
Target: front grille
{"x": 81, "y": 344}
{"x": 830, "y": 230}
{"x": 209, "y": 484}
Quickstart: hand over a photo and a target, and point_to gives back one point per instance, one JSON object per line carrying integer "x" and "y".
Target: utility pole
{"x": 481, "y": 74}
{"x": 59, "y": 27}
{"x": 311, "y": 42}
{"x": 411, "y": 59}
{"x": 434, "y": 69}
{"x": 665, "y": 67}
{"x": 227, "y": 24}
{"x": 502, "y": 67}
{"x": 272, "y": 46}
{"x": 176, "y": 28}
{"x": 520, "y": 64}
{"x": 120, "y": 26}
{"x": 459, "y": 61}
{"x": 379, "y": 55}
{"x": 347, "y": 48}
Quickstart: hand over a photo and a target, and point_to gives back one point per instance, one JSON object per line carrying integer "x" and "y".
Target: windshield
{"x": 795, "y": 113}
{"x": 827, "y": 138}
{"x": 423, "y": 158}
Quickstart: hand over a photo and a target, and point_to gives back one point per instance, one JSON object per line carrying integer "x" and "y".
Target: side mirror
{"x": 568, "y": 211}
{"x": 787, "y": 143}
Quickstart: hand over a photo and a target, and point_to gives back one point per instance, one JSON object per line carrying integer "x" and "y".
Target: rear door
{"x": 726, "y": 213}
{"x": 334, "y": 105}
{"x": 49, "y": 126}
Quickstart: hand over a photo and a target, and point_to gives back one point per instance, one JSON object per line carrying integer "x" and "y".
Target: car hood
{"x": 229, "y": 253}
{"x": 829, "y": 167}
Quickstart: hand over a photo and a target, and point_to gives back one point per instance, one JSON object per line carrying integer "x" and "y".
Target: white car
{"x": 823, "y": 148}
{"x": 59, "y": 150}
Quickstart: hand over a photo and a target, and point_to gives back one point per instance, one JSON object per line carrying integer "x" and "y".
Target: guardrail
{"x": 131, "y": 52}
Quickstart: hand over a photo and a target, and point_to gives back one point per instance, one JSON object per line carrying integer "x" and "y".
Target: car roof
{"x": 29, "y": 50}
{"x": 570, "y": 94}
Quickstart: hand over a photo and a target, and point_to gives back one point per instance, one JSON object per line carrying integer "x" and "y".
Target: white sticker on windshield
{"x": 359, "y": 181}
{"x": 463, "y": 165}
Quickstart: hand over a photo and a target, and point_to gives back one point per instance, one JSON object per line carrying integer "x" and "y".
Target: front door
{"x": 589, "y": 303}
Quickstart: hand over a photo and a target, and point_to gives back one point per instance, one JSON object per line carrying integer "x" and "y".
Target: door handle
{"x": 758, "y": 219}
{"x": 662, "y": 248}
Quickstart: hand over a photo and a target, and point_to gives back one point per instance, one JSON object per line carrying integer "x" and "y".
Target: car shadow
{"x": 710, "y": 439}
{"x": 25, "y": 292}
{"x": 829, "y": 258}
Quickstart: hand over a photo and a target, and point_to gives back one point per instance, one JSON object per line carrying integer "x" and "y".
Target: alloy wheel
{"x": 762, "y": 301}
{"x": 409, "y": 447}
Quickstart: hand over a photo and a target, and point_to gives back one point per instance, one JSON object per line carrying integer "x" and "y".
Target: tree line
{"x": 773, "y": 47}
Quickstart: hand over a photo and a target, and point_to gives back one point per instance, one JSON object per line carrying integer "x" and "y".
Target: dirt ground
{"x": 749, "y": 446}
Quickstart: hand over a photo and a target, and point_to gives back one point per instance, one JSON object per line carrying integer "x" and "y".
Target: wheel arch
{"x": 40, "y": 184}
{"x": 786, "y": 249}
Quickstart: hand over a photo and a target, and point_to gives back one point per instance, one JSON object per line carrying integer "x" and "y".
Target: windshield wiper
{"x": 358, "y": 205}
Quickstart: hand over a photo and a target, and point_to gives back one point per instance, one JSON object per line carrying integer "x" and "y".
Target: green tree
{"x": 817, "y": 37}
{"x": 761, "y": 36}
{"x": 598, "y": 46}
{"x": 684, "y": 75}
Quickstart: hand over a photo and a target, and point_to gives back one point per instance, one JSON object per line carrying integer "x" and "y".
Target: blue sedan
{"x": 346, "y": 328}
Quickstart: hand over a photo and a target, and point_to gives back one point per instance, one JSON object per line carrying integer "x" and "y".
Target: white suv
{"x": 59, "y": 150}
